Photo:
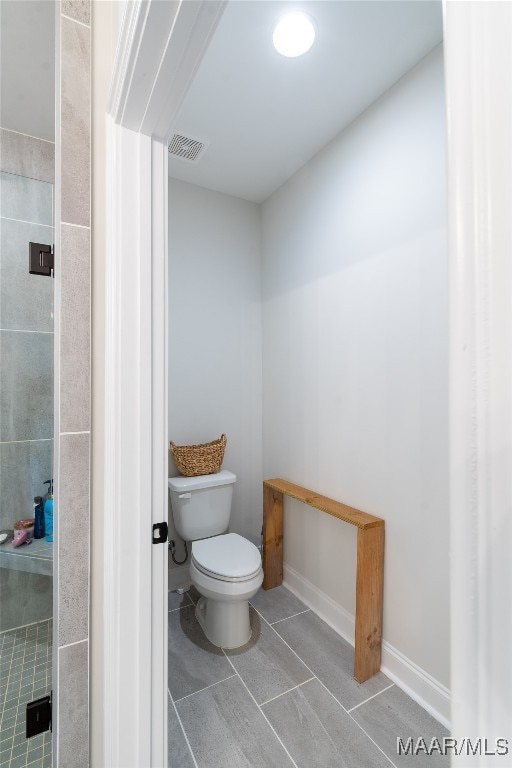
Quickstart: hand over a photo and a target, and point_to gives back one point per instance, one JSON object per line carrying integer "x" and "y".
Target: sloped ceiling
{"x": 264, "y": 115}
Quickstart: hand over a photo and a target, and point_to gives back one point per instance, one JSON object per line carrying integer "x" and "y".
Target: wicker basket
{"x": 205, "y": 459}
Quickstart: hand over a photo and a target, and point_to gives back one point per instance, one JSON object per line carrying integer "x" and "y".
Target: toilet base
{"x": 225, "y": 623}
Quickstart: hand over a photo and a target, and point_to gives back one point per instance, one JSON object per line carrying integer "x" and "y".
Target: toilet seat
{"x": 229, "y": 557}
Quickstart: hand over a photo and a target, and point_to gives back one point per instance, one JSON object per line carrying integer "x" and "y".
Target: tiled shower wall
{"x": 71, "y": 159}
{"x": 26, "y": 352}
{"x": 73, "y": 419}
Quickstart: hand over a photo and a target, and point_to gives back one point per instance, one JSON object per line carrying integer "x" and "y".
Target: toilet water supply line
{"x": 172, "y": 550}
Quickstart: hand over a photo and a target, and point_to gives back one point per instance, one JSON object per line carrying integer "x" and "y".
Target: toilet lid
{"x": 230, "y": 556}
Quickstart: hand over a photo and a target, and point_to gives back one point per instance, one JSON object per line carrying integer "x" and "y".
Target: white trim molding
{"x": 432, "y": 695}
{"x": 478, "y": 61}
{"x": 160, "y": 47}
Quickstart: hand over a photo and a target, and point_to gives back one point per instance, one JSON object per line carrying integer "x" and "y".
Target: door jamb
{"x": 154, "y": 65}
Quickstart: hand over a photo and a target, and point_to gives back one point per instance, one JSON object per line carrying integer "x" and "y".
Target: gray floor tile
{"x": 194, "y": 662}
{"x": 276, "y": 604}
{"x": 226, "y": 729}
{"x": 266, "y": 664}
{"x": 193, "y": 594}
{"x": 318, "y": 733}
{"x": 35, "y": 754}
{"x": 179, "y": 755}
{"x": 18, "y": 762}
{"x": 329, "y": 657}
{"x": 393, "y": 715}
{"x": 175, "y": 601}
{"x": 16, "y": 750}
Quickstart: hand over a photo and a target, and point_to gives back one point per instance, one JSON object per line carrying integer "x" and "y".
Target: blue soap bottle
{"x": 38, "y": 517}
{"x": 48, "y": 511}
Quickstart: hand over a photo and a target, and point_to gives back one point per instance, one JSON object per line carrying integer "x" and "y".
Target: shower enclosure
{"x": 26, "y": 457}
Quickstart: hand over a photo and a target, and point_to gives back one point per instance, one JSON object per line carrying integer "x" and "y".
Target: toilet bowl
{"x": 226, "y": 570}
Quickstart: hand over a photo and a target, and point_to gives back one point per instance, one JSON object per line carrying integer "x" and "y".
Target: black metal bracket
{"x": 163, "y": 532}
{"x": 41, "y": 259}
{"x": 39, "y": 716}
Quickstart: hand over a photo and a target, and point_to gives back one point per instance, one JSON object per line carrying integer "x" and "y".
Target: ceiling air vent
{"x": 186, "y": 147}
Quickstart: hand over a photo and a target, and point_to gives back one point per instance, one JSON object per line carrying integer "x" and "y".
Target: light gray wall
{"x": 215, "y": 336}
{"x": 355, "y": 350}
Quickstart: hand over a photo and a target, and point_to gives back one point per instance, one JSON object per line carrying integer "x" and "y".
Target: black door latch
{"x": 163, "y": 532}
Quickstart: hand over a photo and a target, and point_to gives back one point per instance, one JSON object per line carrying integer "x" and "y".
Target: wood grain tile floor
{"x": 286, "y": 698}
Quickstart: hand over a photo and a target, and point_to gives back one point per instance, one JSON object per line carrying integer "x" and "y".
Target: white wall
{"x": 215, "y": 336}
{"x": 355, "y": 350}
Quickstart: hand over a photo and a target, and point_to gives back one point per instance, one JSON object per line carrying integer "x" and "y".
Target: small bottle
{"x": 48, "y": 511}
{"x": 38, "y": 517}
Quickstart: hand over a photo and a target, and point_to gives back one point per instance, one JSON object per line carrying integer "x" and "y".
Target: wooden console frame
{"x": 370, "y": 564}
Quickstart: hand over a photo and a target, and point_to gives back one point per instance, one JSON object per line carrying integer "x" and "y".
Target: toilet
{"x": 225, "y": 568}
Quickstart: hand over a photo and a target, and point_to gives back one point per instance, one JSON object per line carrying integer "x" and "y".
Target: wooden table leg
{"x": 272, "y": 538}
{"x": 369, "y": 592}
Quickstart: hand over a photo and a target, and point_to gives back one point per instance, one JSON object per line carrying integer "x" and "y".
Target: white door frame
{"x": 478, "y": 66}
{"x": 161, "y": 47}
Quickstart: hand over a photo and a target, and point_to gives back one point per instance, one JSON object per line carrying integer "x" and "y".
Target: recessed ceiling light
{"x": 294, "y": 34}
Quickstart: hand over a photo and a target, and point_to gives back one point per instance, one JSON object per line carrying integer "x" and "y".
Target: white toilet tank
{"x": 201, "y": 506}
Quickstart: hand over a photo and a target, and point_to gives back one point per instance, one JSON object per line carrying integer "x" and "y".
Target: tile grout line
{"x": 294, "y": 652}
{"x": 260, "y": 709}
{"x": 24, "y": 330}
{"x": 76, "y": 21}
{"x": 17, "y": 709}
{"x": 183, "y": 730}
{"x": 8, "y": 676}
{"x": 370, "y": 698}
{"x": 16, "y": 717}
{"x": 188, "y": 695}
{"x": 180, "y": 608}
{"x": 370, "y": 738}
{"x": 69, "y": 645}
{"x": 24, "y": 221}
{"x": 28, "y": 135}
{"x": 328, "y": 691}
{"x": 72, "y": 224}
{"x": 263, "y": 703}
{"x": 271, "y": 623}
{"x": 23, "y": 626}
{"x": 82, "y": 432}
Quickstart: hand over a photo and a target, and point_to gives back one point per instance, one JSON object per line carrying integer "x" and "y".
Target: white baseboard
{"x": 332, "y": 613}
{"x": 422, "y": 687}
{"x": 178, "y": 576}
{"x": 418, "y": 684}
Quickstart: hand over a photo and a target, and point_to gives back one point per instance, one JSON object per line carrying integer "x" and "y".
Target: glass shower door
{"x": 26, "y": 458}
